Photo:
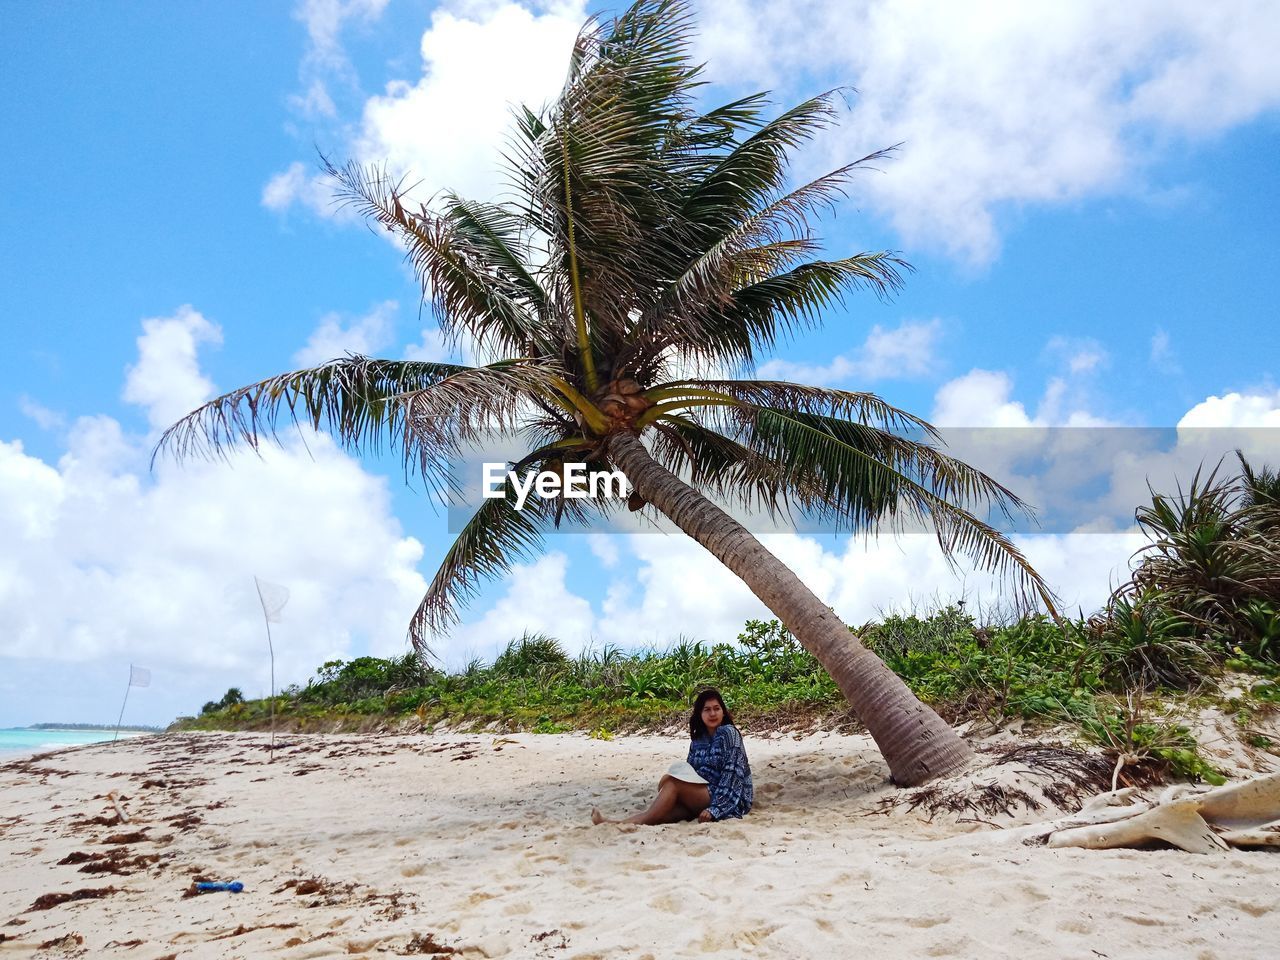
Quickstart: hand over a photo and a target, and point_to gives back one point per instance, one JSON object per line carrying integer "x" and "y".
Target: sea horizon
{"x": 18, "y": 742}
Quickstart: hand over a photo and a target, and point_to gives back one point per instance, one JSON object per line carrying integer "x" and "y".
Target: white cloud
{"x": 297, "y": 185}
{"x": 366, "y": 335}
{"x": 447, "y": 128}
{"x": 605, "y": 549}
{"x": 1162, "y": 356}
{"x": 1235, "y": 410}
{"x": 1093, "y": 476}
{"x": 1002, "y": 104}
{"x": 103, "y": 562}
{"x": 980, "y": 398}
{"x": 908, "y": 350}
{"x": 326, "y": 60}
{"x": 984, "y": 398}
{"x": 536, "y": 600}
{"x": 316, "y": 102}
{"x": 42, "y": 416}
{"x": 1079, "y": 355}
{"x": 167, "y": 379}
{"x": 431, "y": 348}
{"x": 324, "y": 20}
{"x": 1209, "y": 433}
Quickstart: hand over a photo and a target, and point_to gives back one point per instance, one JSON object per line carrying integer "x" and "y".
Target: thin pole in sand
{"x": 271, "y": 611}
{"x": 138, "y": 677}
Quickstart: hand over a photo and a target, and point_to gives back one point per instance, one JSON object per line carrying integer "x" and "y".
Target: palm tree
{"x": 1259, "y": 494}
{"x": 645, "y": 239}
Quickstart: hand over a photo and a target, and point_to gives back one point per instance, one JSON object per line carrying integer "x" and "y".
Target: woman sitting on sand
{"x": 714, "y": 784}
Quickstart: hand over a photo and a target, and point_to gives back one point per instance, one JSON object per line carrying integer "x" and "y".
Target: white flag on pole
{"x": 139, "y": 676}
{"x": 273, "y": 598}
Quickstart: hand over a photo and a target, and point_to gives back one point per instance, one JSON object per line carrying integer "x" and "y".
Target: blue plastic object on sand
{"x": 234, "y": 887}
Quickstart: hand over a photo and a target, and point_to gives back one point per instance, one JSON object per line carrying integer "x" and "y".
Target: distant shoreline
{"x": 77, "y": 727}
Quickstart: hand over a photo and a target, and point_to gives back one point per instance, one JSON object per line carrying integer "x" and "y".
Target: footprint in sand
{"x": 962, "y": 947}
{"x": 924, "y": 923}
{"x": 1252, "y": 909}
{"x": 1144, "y": 921}
{"x": 1032, "y": 892}
{"x": 744, "y": 939}
{"x": 667, "y": 904}
{"x": 713, "y": 941}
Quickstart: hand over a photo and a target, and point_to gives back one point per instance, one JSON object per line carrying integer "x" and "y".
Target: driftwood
{"x": 115, "y": 802}
{"x": 1197, "y": 820}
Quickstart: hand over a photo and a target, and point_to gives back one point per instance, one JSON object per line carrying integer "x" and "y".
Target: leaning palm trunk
{"x": 915, "y": 741}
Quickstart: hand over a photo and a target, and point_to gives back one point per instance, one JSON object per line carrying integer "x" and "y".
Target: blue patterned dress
{"x": 721, "y": 760}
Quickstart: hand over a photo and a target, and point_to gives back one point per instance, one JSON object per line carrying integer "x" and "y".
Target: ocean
{"x": 21, "y": 742}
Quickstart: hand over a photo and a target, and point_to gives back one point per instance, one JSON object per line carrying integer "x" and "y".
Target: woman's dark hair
{"x": 696, "y": 727}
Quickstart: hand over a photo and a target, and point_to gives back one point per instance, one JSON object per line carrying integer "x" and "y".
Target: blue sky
{"x": 1087, "y": 195}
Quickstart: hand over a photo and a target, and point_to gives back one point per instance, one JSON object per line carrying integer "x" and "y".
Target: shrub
{"x": 534, "y": 656}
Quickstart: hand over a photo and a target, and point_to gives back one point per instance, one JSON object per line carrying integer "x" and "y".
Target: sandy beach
{"x": 479, "y": 845}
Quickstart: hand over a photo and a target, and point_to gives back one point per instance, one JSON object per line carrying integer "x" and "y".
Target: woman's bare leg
{"x": 676, "y": 800}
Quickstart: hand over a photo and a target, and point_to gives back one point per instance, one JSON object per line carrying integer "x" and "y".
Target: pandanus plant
{"x": 646, "y": 247}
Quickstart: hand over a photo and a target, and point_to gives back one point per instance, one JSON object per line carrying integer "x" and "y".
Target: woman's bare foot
{"x": 596, "y": 816}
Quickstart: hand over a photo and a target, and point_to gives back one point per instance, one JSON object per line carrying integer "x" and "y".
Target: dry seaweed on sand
{"x": 48, "y": 901}
{"x": 1035, "y": 775}
{"x": 425, "y": 945}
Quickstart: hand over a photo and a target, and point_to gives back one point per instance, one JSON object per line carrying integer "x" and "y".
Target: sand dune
{"x": 480, "y": 846}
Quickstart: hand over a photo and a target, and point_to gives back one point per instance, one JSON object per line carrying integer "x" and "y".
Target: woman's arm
{"x": 728, "y": 788}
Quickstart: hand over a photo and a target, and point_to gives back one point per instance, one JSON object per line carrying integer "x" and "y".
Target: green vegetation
{"x": 1198, "y": 617}
{"x": 231, "y": 698}
{"x": 1031, "y": 669}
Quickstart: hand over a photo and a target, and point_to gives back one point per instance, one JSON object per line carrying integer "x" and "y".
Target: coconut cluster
{"x": 622, "y": 401}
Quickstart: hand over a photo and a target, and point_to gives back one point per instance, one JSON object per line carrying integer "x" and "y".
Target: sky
{"x": 1086, "y": 193}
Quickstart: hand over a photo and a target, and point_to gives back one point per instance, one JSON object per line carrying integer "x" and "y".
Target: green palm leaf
{"x": 463, "y": 260}
{"x": 495, "y": 538}
{"x": 429, "y": 412}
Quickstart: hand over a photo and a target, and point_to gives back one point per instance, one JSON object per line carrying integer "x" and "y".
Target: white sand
{"x": 484, "y": 844}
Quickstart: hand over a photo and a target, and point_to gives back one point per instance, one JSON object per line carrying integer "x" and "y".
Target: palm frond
{"x": 870, "y": 479}
{"x": 595, "y": 167}
{"x": 496, "y": 232}
{"x": 757, "y": 316}
{"x": 861, "y": 407}
{"x": 463, "y": 261}
{"x": 347, "y": 396}
{"x": 495, "y": 538}
{"x": 732, "y": 473}
{"x": 711, "y": 260}
{"x": 755, "y": 169}
{"x": 428, "y": 411}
